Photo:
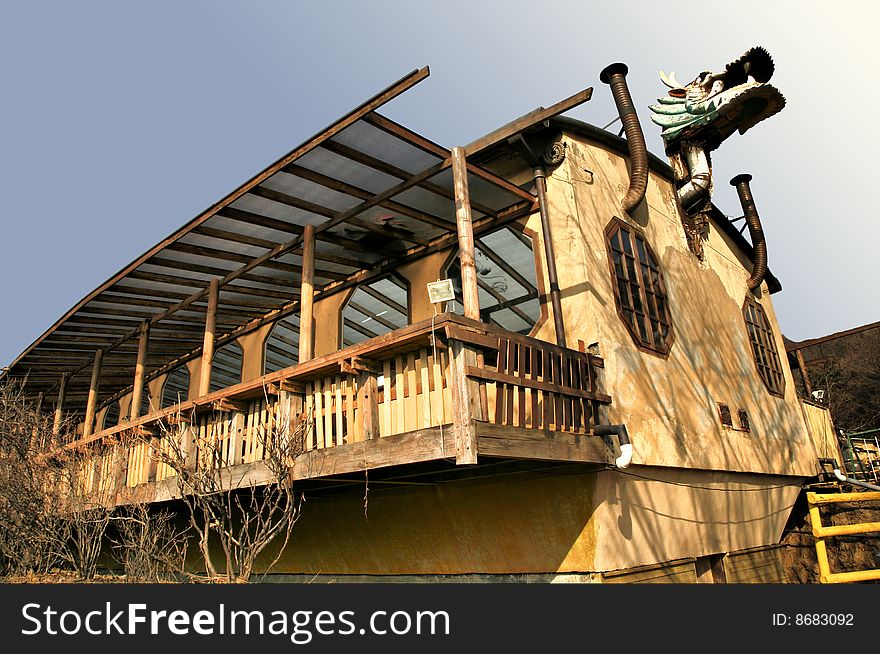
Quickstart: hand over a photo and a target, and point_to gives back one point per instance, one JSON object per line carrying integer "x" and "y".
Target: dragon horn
{"x": 670, "y": 81}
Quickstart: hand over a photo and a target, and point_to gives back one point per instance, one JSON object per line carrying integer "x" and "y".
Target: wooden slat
{"x": 400, "y": 409}
{"x": 424, "y": 374}
{"x": 555, "y": 389}
{"x": 556, "y": 360}
{"x": 501, "y": 388}
{"x": 319, "y": 414}
{"x": 438, "y": 401}
{"x": 340, "y": 418}
{"x": 386, "y": 399}
{"x": 328, "y": 412}
{"x": 310, "y": 416}
{"x": 412, "y": 405}
{"x": 521, "y": 373}
{"x": 509, "y": 389}
{"x": 350, "y": 418}
{"x": 534, "y": 362}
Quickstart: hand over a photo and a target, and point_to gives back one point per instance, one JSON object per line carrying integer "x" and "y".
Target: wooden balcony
{"x": 452, "y": 391}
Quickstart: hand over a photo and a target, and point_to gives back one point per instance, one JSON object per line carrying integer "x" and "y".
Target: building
{"x": 605, "y": 399}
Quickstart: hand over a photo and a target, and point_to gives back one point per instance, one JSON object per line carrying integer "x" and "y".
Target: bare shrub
{"x": 241, "y": 509}
{"x": 29, "y": 523}
{"x": 149, "y": 545}
{"x": 84, "y": 509}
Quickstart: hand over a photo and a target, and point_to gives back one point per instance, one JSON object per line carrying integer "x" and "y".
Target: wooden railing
{"x": 534, "y": 384}
{"x": 451, "y": 372}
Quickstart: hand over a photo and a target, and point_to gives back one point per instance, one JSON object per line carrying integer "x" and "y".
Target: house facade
{"x": 601, "y": 399}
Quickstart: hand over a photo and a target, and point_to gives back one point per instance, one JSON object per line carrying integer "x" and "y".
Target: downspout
{"x": 626, "y": 448}
{"x": 555, "y": 299}
{"x": 756, "y": 232}
{"x": 615, "y": 76}
{"x": 539, "y": 175}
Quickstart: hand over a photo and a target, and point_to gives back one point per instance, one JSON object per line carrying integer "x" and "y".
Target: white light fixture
{"x": 441, "y": 291}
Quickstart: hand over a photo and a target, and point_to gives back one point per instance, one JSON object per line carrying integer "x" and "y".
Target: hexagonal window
{"x": 226, "y": 367}
{"x": 375, "y": 308}
{"x": 176, "y": 387}
{"x": 282, "y": 345}
{"x": 639, "y": 289}
{"x": 507, "y": 278}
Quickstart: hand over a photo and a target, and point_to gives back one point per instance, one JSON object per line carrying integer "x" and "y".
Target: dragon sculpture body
{"x": 697, "y": 117}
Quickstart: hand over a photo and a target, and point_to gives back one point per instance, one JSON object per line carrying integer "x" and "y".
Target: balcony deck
{"x": 453, "y": 391}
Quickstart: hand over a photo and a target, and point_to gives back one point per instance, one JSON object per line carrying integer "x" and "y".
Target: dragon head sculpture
{"x": 697, "y": 117}
{"x": 715, "y": 105}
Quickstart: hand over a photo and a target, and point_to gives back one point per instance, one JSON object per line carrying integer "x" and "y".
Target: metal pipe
{"x": 615, "y": 76}
{"x": 694, "y": 195}
{"x": 756, "y": 232}
{"x": 626, "y": 448}
{"x": 855, "y": 482}
{"x": 555, "y": 297}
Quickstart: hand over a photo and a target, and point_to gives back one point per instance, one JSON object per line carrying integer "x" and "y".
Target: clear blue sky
{"x": 121, "y": 121}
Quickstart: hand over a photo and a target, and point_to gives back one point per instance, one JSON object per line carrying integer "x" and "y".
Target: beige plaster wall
{"x": 252, "y": 349}
{"x": 327, "y": 323}
{"x": 419, "y": 273}
{"x": 540, "y": 522}
{"x": 670, "y": 404}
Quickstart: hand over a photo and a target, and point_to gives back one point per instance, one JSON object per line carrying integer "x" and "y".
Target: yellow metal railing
{"x": 821, "y": 532}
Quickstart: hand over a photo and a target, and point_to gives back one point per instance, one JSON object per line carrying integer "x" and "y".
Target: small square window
{"x": 744, "y": 423}
{"x": 724, "y": 413}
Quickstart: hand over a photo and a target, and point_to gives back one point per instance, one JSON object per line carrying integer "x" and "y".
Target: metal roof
{"x": 375, "y": 192}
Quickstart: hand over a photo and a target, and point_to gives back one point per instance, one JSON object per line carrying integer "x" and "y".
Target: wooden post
{"x": 466, "y": 407}
{"x": 802, "y": 366}
{"x": 137, "y": 392}
{"x": 208, "y": 343}
{"x": 59, "y": 404}
{"x": 92, "y": 402}
{"x": 465, "y": 228}
{"x": 555, "y": 300}
{"x": 307, "y": 297}
{"x": 368, "y": 402}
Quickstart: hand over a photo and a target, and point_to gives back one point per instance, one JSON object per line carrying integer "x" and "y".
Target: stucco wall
{"x": 539, "y": 522}
{"x": 670, "y": 404}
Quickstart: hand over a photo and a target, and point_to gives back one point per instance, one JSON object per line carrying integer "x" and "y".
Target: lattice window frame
{"x": 762, "y": 342}
{"x": 653, "y": 294}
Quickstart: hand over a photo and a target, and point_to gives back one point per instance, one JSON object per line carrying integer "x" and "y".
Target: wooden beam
{"x": 363, "y": 194}
{"x": 227, "y": 404}
{"x": 429, "y": 146}
{"x": 802, "y": 366}
{"x": 59, "y": 404}
{"x": 208, "y": 342}
{"x": 540, "y": 444}
{"x": 93, "y": 394}
{"x": 307, "y": 297}
{"x": 464, "y": 223}
{"x": 381, "y": 197}
{"x": 139, "y": 370}
{"x": 394, "y": 171}
{"x": 526, "y": 121}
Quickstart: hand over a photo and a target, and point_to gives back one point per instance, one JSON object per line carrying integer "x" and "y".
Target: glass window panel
{"x": 639, "y": 290}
